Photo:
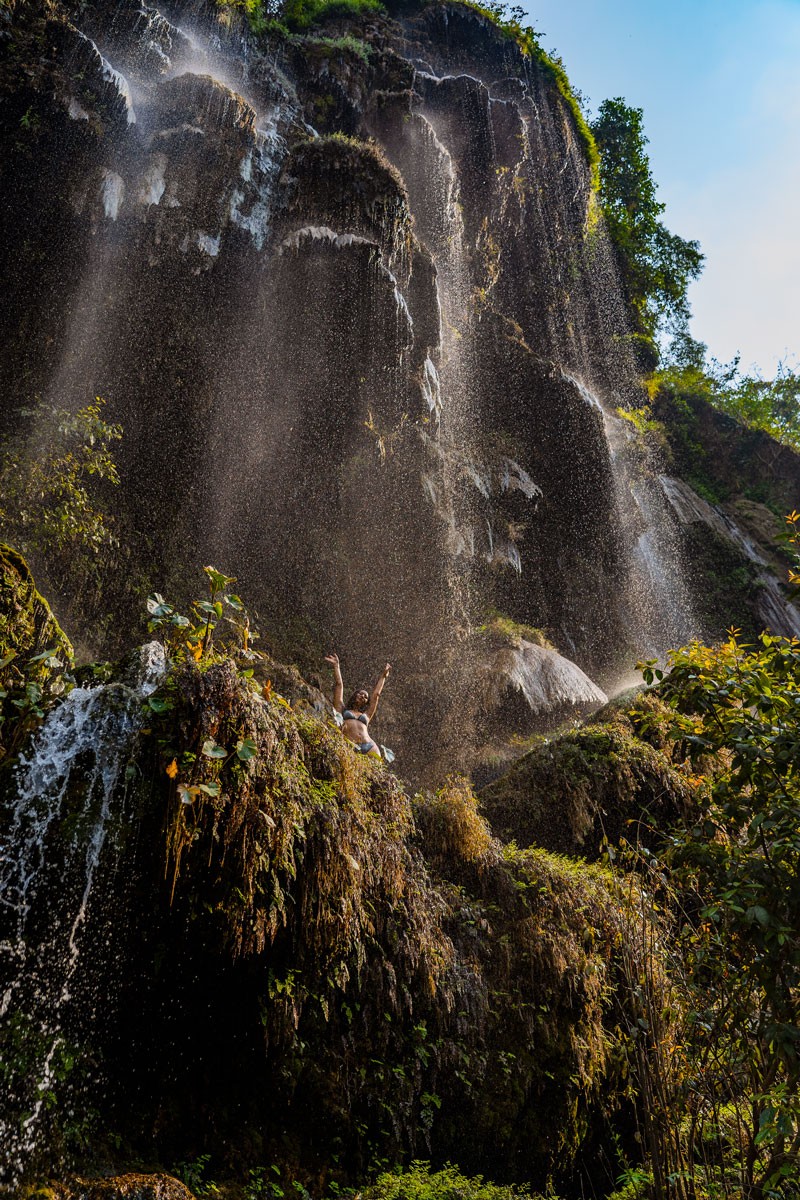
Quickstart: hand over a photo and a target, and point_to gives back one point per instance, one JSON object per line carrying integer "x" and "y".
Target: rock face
{"x": 277, "y": 957}
{"x": 535, "y": 681}
{"x": 351, "y": 300}
{"x": 27, "y": 624}
{"x": 740, "y": 530}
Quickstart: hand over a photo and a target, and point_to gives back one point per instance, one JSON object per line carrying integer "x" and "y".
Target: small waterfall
{"x": 70, "y": 792}
{"x": 113, "y": 77}
{"x": 657, "y": 610}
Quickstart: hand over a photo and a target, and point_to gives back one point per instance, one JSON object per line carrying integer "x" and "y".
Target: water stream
{"x": 70, "y": 797}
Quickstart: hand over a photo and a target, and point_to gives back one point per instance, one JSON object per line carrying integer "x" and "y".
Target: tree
{"x": 656, "y": 265}
{"x": 53, "y": 472}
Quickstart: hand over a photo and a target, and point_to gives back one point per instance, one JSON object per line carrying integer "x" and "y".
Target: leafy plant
{"x": 194, "y": 635}
{"x": 29, "y": 685}
{"x": 733, "y": 879}
{"x": 194, "y": 1173}
{"x": 656, "y": 266}
{"x": 53, "y": 474}
{"x": 420, "y": 1182}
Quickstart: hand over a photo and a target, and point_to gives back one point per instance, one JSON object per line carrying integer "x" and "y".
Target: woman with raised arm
{"x": 360, "y": 707}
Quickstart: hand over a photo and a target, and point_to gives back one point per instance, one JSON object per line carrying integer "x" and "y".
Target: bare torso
{"x": 356, "y": 730}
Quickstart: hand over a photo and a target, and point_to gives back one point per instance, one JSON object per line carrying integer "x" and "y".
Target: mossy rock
{"x": 350, "y": 186}
{"x": 333, "y": 957}
{"x": 602, "y": 781}
{"x": 116, "y": 1187}
{"x": 27, "y": 624}
{"x": 29, "y": 677}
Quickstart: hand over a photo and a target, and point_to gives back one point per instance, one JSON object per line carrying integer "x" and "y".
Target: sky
{"x": 719, "y": 83}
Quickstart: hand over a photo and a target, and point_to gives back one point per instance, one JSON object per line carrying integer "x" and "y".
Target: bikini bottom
{"x": 366, "y": 748}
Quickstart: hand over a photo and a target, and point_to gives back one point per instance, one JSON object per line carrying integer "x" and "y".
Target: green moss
{"x": 330, "y": 46}
{"x": 500, "y": 630}
{"x": 604, "y": 780}
{"x": 303, "y": 14}
{"x": 34, "y": 652}
{"x": 505, "y": 19}
{"x": 553, "y": 69}
{"x": 413, "y": 979}
{"x": 27, "y": 624}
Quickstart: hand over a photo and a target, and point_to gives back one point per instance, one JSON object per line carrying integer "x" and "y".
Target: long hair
{"x": 352, "y": 701}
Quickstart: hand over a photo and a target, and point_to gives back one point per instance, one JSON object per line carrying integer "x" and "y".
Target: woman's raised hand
{"x": 386, "y": 670}
{"x": 333, "y": 659}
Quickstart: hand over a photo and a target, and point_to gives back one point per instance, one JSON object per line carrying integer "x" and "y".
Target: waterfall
{"x": 656, "y": 608}
{"x": 70, "y": 792}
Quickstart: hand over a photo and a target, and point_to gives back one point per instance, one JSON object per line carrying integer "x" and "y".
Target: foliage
{"x": 656, "y": 265}
{"x": 35, "y": 656}
{"x": 194, "y": 635}
{"x": 420, "y": 1182}
{"x": 296, "y": 16}
{"x": 194, "y": 1174}
{"x": 735, "y": 880}
{"x": 302, "y": 14}
{"x": 771, "y": 405}
{"x": 606, "y": 780}
{"x": 48, "y": 476}
{"x": 793, "y": 540}
{"x": 338, "y": 45}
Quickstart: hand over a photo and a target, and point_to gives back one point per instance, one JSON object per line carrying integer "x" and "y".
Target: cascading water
{"x": 348, "y": 364}
{"x": 70, "y": 802}
{"x": 655, "y": 603}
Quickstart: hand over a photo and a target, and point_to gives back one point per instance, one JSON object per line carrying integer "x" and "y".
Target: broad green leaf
{"x": 246, "y": 749}
{"x": 212, "y": 749}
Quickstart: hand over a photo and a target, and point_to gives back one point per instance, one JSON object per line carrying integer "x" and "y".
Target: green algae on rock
{"x": 34, "y": 651}
{"x": 603, "y": 781}
{"x": 333, "y": 958}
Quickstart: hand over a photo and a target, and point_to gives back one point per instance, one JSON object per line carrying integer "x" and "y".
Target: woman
{"x": 360, "y": 708}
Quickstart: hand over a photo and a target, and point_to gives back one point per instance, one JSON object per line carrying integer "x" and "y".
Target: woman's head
{"x": 359, "y": 700}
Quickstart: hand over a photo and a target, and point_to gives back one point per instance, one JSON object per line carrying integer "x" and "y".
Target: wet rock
{"x": 96, "y": 87}
{"x": 143, "y": 39}
{"x": 27, "y": 624}
{"x": 774, "y": 610}
{"x": 530, "y": 685}
{"x": 351, "y": 187}
{"x": 203, "y": 102}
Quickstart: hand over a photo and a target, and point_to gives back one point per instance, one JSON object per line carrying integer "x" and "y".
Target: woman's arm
{"x": 376, "y": 691}
{"x": 338, "y": 686}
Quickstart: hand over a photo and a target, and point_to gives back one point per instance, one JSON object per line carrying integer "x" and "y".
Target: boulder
{"x": 531, "y": 684}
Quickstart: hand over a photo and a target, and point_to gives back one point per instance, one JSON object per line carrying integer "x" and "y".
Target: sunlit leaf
{"x": 212, "y": 749}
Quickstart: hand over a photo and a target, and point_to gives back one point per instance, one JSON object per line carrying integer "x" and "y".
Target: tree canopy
{"x": 656, "y": 265}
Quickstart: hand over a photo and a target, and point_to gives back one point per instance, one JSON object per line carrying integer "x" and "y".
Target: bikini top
{"x": 348, "y": 715}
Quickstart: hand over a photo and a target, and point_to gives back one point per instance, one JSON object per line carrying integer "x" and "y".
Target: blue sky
{"x": 719, "y": 82}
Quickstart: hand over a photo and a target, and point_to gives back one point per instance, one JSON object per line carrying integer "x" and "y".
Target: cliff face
{"x": 274, "y": 956}
{"x": 350, "y": 298}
